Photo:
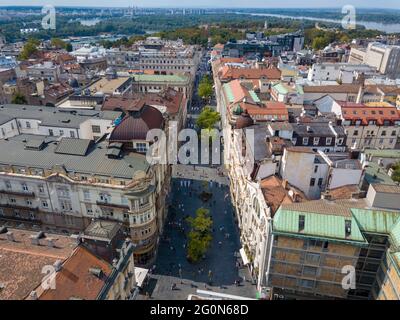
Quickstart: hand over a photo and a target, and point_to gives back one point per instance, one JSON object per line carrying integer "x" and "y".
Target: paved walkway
{"x": 220, "y": 259}
{"x": 201, "y": 173}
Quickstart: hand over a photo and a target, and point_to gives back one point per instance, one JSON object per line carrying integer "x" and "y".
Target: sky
{"x": 209, "y": 3}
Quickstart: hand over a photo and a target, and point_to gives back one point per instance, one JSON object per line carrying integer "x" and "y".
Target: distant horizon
{"x": 205, "y": 4}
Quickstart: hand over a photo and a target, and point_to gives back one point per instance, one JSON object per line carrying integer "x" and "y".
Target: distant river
{"x": 388, "y": 28}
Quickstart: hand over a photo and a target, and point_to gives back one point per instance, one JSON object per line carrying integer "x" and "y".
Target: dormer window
{"x": 347, "y": 228}
{"x": 302, "y": 221}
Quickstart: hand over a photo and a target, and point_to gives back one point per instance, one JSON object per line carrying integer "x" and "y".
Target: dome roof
{"x": 73, "y": 83}
{"x": 136, "y": 124}
{"x": 243, "y": 121}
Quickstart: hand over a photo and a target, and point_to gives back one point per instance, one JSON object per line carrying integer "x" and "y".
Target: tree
{"x": 200, "y": 235}
{"x": 205, "y": 89}
{"x": 208, "y": 118}
{"x": 30, "y": 48}
{"x": 58, "y": 43}
{"x": 18, "y": 98}
{"x": 396, "y": 172}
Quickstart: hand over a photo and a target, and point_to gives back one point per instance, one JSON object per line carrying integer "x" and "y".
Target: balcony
{"x": 142, "y": 208}
{"x": 24, "y": 194}
{"x": 106, "y": 204}
{"x": 17, "y": 207}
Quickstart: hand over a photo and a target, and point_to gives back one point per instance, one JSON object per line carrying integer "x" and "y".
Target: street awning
{"x": 140, "y": 274}
{"x": 244, "y": 256}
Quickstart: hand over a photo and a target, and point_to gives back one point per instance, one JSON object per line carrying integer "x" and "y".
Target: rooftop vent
{"x": 57, "y": 265}
{"x": 96, "y": 272}
{"x": 10, "y": 236}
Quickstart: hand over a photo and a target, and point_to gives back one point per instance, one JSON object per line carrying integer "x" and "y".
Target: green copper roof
{"x": 228, "y": 92}
{"x": 383, "y": 153}
{"x": 375, "y": 174}
{"x": 254, "y": 96}
{"x": 328, "y": 226}
{"x": 160, "y": 78}
{"x": 376, "y": 221}
{"x": 280, "y": 88}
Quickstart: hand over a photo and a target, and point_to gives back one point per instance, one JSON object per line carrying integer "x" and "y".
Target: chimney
{"x": 51, "y": 242}
{"x": 33, "y": 295}
{"x": 57, "y": 265}
{"x": 326, "y": 196}
{"x": 34, "y": 240}
{"x": 10, "y": 236}
{"x": 285, "y": 184}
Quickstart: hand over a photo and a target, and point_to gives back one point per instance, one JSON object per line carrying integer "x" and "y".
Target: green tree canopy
{"x": 396, "y": 172}
{"x": 200, "y": 235}
{"x": 29, "y": 48}
{"x": 205, "y": 89}
{"x": 18, "y": 98}
{"x": 208, "y": 118}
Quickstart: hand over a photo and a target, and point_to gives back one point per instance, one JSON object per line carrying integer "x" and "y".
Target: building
{"x": 152, "y": 83}
{"x": 93, "y": 277}
{"x": 316, "y": 243}
{"x": 48, "y": 121}
{"x": 287, "y": 93}
{"x": 370, "y": 126}
{"x": 319, "y": 171}
{"x": 61, "y": 183}
{"x": 44, "y": 71}
{"x": 341, "y": 72}
{"x": 384, "y": 58}
{"x": 269, "y": 46}
{"x": 26, "y": 256}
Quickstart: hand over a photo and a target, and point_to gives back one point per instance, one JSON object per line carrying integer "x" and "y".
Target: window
{"x": 89, "y": 209}
{"x": 316, "y": 141}
{"x": 309, "y": 284}
{"x": 313, "y": 258}
{"x": 61, "y": 132}
{"x": 41, "y": 188}
{"x": 315, "y": 169}
{"x": 72, "y": 134}
{"x": 340, "y": 141}
{"x": 105, "y": 197}
{"x": 86, "y": 195}
{"x": 347, "y": 226}
{"x": 383, "y": 133}
{"x": 66, "y": 205}
{"x": 8, "y": 185}
{"x": 312, "y": 182}
{"x": 24, "y": 187}
{"x": 12, "y": 200}
{"x": 51, "y": 132}
{"x": 328, "y": 141}
{"x": 320, "y": 180}
{"x": 141, "y": 147}
{"x": 45, "y": 204}
{"x": 305, "y": 141}
{"x": 28, "y": 125}
{"x": 32, "y": 216}
{"x": 355, "y": 133}
{"x": 63, "y": 192}
{"x": 96, "y": 129}
{"x": 393, "y": 133}
{"x": 28, "y": 202}
{"x": 310, "y": 271}
{"x": 1, "y": 212}
{"x": 302, "y": 220}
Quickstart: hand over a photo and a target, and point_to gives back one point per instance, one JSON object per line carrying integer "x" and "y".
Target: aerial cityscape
{"x": 209, "y": 153}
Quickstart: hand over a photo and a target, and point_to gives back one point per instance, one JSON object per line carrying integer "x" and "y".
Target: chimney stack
{"x": 33, "y": 295}
{"x": 10, "y": 236}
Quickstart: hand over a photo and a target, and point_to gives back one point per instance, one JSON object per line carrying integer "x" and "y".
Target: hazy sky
{"x": 210, "y": 3}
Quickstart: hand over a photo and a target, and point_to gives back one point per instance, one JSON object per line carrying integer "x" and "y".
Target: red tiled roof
{"x": 228, "y": 72}
{"x": 74, "y": 279}
{"x": 359, "y": 111}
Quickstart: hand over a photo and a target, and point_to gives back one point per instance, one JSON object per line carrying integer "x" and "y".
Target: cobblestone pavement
{"x": 220, "y": 259}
